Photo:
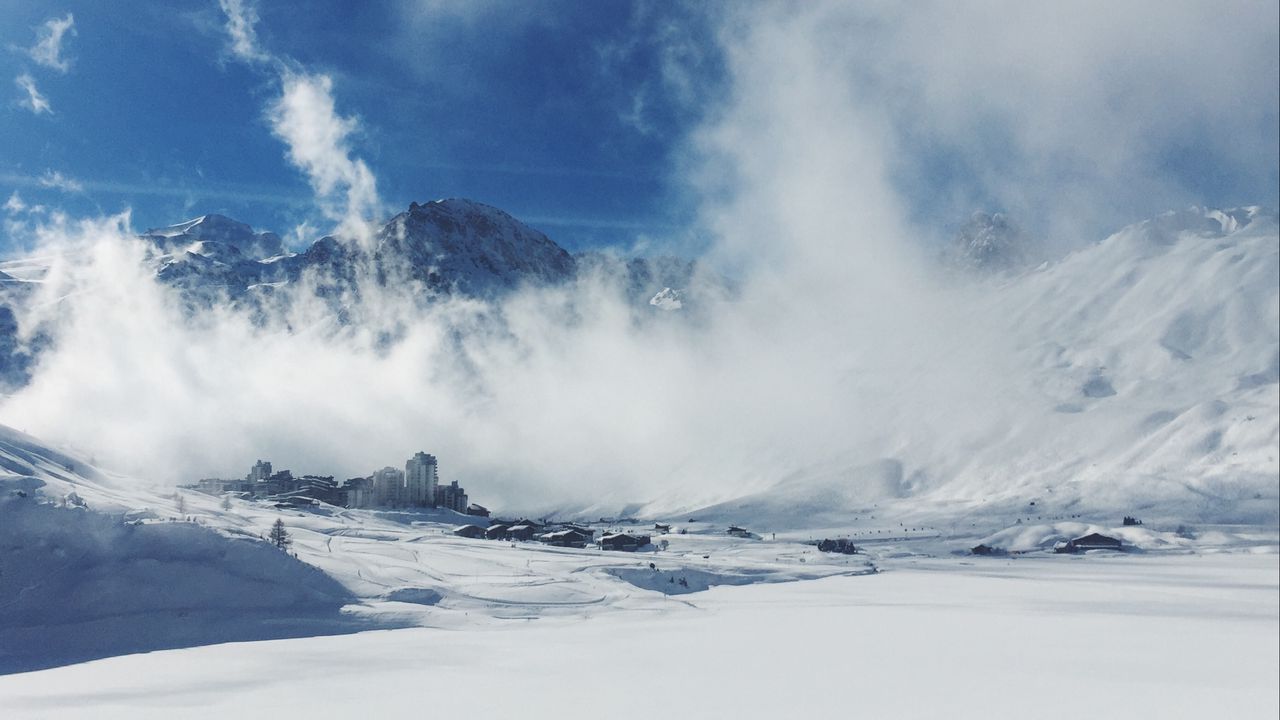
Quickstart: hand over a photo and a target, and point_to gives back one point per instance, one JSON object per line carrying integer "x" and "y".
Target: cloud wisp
{"x": 241, "y": 27}
{"x": 305, "y": 117}
{"x": 1074, "y": 118}
{"x": 55, "y": 180}
{"x": 48, "y": 51}
{"x": 32, "y": 99}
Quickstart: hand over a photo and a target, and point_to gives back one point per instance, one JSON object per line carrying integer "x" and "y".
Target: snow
{"x": 1184, "y": 624}
{"x": 1149, "y": 368}
{"x": 667, "y": 299}
{"x": 1179, "y": 636}
{"x": 466, "y": 246}
{"x": 214, "y": 231}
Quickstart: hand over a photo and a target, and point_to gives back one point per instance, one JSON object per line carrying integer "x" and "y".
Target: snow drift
{"x": 78, "y": 584}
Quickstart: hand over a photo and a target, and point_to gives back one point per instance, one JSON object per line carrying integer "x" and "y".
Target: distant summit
{"x": 992, "y": 243}
{"x": 217, "y": 235}
{"x": 458, "y": 245}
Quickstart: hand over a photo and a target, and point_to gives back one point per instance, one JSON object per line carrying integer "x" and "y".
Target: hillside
{"x": 1141, "y": 376}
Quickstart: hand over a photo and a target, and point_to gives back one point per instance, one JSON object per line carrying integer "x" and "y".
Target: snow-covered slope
{"x": 91, "y": 568}
{"x": 1155, "y": 358}
{"x": 213, "y": 234}
{"x": 96, "y": 564}
{"x": 1144, "y": 379}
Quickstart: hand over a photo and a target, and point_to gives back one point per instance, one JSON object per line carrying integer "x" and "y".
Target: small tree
{"x": 226, "y": 502}
{"x": 179, "y": 502}
{"x": 279, "y": 536}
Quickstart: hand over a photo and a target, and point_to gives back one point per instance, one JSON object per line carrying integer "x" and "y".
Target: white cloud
{"x": 55, "y": 180}
{"x": 305, "y": 118}
{"x": 48, "y": 48}
{"x": 242, "y": 17}
{"x": 841, "y": 349}
{"x": 14, "y": 204}
{"x": 1068, "y": 115}
{"x": 33, "y": 100}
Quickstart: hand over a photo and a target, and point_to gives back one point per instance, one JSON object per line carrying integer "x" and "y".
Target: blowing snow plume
{"x": 843, "y": 367}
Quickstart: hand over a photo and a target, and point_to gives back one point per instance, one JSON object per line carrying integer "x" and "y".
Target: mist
{"x": 843, "y": 343}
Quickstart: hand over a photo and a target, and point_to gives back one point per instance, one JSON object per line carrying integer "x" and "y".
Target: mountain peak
{"x": 462, "y": 244}
{"x": 991, "y": 242}
{"x": 197, "y": 234}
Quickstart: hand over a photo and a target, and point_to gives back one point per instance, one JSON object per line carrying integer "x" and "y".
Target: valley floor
{"x": 1168, "y": 635}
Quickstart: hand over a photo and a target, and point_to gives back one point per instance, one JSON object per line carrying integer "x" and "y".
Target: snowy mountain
{"x": 467, "y": 247}
{"x": 17, "y": 353}
{"x": 667, "y": 299}
{"x": 1138, "y": 372}
{"x": 216, "y": 236}
{"x": 991, "y": 243}
{"x": 1143, "y": 376}
{"x": 443, "y": 248}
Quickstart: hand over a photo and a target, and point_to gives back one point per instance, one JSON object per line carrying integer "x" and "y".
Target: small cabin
{"x": 477, "y": 510}
{"x": 659, "y": 527}
{"x": 623, "y": 541}
{"x": 987, "y": 550}
{"x": 838, "y": 545}
{"x": 568, "y": 537}
{"x": 736, "y": 531}
{"x": 522, "y": 532}
{"x": 496, "y": 532}
{"x": 1092, "y": 541}
{"x": 469, "y": 531}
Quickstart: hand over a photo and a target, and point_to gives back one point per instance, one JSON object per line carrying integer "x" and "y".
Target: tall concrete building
{"x": 421, "y": 476}
{"x": 451, "y": 497}
{"x": 388, "y": 487}
{"x": 260, "y": 472}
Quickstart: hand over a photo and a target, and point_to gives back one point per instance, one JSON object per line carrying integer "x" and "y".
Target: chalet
{"x": 569, "y": 537}
{"x": 497, "y": 532}
{"x": 736, "y": 531}
{"x": 523, "y": 531}
{"x": 987, "y": 550}
{"x": 1092, "y": 541}
{"x": 477, "y": 510}
{"x": 659, "y": 527}
{"x": 838, "y": 545}
{"x": 623, "y": 541}
{"x": 469, "y": 531}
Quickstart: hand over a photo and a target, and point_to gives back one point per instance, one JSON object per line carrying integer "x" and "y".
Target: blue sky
{"x": 588, "y": 119}
{"x": 529, "y": 107}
